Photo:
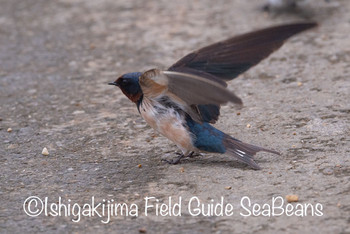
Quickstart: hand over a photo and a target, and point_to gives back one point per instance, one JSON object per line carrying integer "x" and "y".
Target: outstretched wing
{"x": 225, "y": 60}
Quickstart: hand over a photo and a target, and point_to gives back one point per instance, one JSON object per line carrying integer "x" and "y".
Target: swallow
{"x": 183, "y": 102}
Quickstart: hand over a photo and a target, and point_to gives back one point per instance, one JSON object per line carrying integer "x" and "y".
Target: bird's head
{"x": 129, "y": 85}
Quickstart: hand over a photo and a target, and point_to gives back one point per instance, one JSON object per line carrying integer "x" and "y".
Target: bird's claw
{"x": 178, "y": 159}
{"x": 192, "y": 155}
{"x": 173, "y": 161}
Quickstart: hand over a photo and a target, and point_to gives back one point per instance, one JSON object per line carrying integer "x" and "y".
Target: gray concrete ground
{"x": 56, "y": 58}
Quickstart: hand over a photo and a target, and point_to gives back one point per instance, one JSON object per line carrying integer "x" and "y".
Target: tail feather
{"x": 244, "y": 152}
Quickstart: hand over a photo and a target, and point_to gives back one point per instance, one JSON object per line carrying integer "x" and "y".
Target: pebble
{"x": 9, "y": 130}
{"x": 11, "y": 146}
{"x": 45, "y": 152}
{"x": 292, "y": 198}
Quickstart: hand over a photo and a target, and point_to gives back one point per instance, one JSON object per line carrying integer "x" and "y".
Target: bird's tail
{"x": 244, "y": 152}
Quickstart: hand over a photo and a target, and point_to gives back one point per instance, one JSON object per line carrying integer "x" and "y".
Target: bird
{"x": 183, "y": 102}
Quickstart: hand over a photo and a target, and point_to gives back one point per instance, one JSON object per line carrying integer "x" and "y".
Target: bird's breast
{"x": 168, "y": 122}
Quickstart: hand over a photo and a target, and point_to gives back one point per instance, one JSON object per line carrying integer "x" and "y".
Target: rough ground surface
{"x": 56, "y": 58}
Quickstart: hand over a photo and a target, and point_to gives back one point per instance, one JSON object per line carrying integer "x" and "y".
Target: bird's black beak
{"x": 113, "y": 83}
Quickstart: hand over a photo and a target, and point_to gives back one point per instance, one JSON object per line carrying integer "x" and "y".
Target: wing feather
{"x": 198, "y": 80}
{"x": 229, "y": 58}
{"x": 196, "y": 90}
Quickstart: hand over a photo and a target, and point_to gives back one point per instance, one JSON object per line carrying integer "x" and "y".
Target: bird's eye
{"x": 124, "y": 81}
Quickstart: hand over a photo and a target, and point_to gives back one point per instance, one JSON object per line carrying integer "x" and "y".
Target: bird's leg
{"x": 177, "y": 160}
{"x": 193, "y": 154}
{"x": 174, "y": 161}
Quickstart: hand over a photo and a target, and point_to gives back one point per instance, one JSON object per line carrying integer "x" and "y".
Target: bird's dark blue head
{"x": 129, "y": 85}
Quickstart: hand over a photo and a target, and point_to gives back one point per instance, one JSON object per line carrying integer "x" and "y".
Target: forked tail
{"x": 244, "y": 152}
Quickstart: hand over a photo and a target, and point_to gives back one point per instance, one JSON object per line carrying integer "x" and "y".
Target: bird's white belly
{"x": 169, "y": 124}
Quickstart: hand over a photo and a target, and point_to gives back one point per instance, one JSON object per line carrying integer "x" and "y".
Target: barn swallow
{"x": 184, "y": 101}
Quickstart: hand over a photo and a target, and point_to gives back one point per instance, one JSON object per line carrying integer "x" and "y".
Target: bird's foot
{"x": 178, "y": 159}
{"x": 174, "y": 161}
{"x": 194, "y": 154}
